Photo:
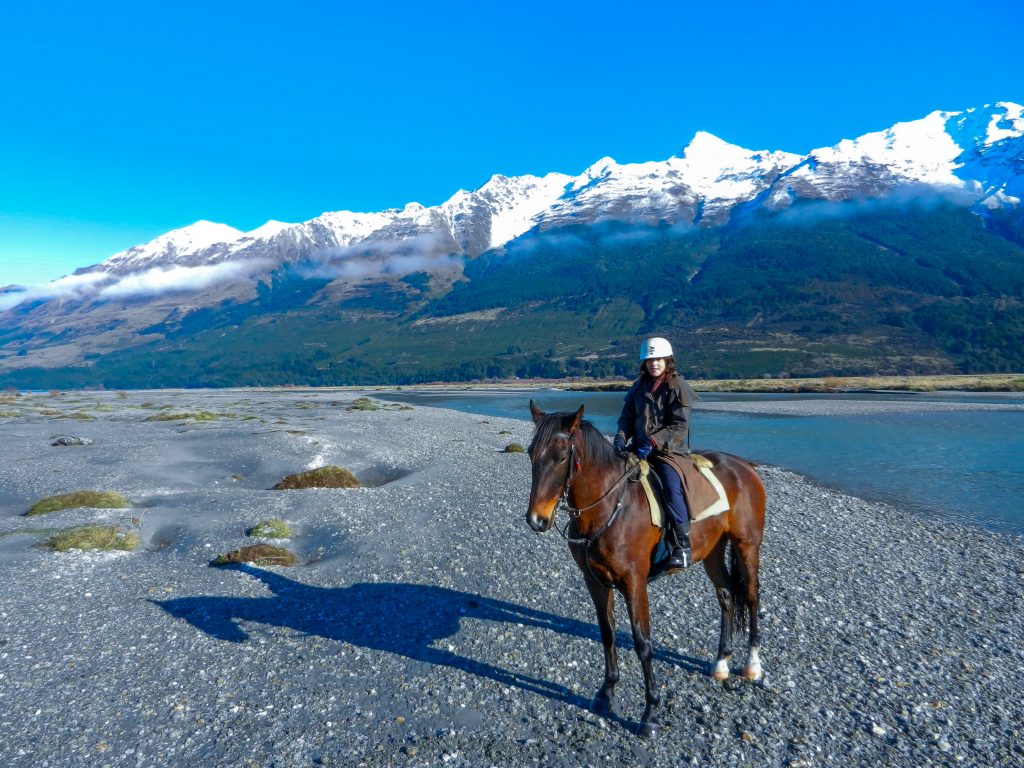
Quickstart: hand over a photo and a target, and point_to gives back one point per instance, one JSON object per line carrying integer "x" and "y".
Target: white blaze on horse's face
{"x": 550, "y": 473}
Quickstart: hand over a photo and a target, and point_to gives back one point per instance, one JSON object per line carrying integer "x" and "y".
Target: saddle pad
{"x": 723, "y": 500}
{"x": 652, "y": 497}
{"x": 704, "y": 465}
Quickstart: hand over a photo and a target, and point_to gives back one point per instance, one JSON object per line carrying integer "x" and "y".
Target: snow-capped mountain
{"x": 977, "y": 154}
{"x": 395, "y": 277}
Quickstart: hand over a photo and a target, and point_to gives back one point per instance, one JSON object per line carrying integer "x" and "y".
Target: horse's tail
{"x": 738, "y": 583}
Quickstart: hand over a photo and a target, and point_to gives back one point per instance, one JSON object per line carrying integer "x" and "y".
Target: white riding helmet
{"x": 655, "y": 347}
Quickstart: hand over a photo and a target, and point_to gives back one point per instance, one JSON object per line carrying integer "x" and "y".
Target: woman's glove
{"x": 644, "y": 449}
{"x": 619, "y": 443}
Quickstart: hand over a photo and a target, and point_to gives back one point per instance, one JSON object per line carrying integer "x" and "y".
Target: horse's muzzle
{"x": 538, "y": 523}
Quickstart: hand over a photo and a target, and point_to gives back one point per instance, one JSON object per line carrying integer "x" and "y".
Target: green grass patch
{"x": 364, "y": 404}
{"x": 184, "y": 416}
{"x": 514, "y": 448}
{"x": 9, "y": 414}
{"x": 81, "y": 416}
{"x": 90, "y": 499}
{"x": 321, "y": 477}
{"x": 94, "y": 537}
{"x": 271, "y": 529}
{"x": 258, "y": 554}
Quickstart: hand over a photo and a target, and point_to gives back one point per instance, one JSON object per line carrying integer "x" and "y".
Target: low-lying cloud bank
{"x": 70, "y": 287}
{"x": 424, "y": 252}
{"x": 160, "y": 280}
{"x": 150, "y": 282}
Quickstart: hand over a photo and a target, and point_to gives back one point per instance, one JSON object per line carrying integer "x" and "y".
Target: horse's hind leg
{"x": 750, "y": 561}
{"x": 604, "y": 604}
{"x": 714, "y": 565}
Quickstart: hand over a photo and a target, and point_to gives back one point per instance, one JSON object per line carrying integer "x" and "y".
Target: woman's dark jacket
{"x": 662, "y": 416}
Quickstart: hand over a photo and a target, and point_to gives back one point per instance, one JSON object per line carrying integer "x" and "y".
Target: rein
{"x": 575, "y": 465}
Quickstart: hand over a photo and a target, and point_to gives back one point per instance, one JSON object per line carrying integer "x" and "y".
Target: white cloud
{"x": 69, "y": 287}
{"x": 104, "y": 285}
{"x": 424, "y": 252}
{"x": 160, "y": 280}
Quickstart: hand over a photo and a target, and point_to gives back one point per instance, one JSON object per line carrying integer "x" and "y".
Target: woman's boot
{"x": 679, "y": 559}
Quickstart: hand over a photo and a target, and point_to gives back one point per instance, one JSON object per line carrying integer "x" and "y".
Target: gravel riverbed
{"x": 427, "y": 625}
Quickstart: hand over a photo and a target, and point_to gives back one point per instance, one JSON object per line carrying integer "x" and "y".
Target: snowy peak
{"x": 514, "y": 203}
{"x": 717, "y": 169}
{"x": 970, "y": 153}
{"x": 919, "y": 151}
{"x": 186, "y": 241}
{"x": 707, "y": 149}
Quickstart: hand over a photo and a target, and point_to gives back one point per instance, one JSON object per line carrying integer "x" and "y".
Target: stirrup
{"x": 678, "y": 560}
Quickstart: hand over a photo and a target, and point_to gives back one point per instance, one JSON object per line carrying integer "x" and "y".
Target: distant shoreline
{"x": 989, "y": 382}
{"x": 984, "y": 382}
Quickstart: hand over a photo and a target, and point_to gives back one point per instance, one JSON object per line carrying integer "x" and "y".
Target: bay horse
{"x": 612, "y": 540}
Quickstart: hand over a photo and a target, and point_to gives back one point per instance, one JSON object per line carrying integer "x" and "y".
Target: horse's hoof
{"x": 647, "y": 731}
{"x": 721, "y": 673}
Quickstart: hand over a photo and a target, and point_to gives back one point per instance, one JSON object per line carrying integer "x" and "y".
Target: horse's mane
{"x": 594, "y": 444}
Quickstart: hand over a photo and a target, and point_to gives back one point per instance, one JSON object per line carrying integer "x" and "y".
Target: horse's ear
{"x": 576, "y": 419}
{"x": 536, "y": 412}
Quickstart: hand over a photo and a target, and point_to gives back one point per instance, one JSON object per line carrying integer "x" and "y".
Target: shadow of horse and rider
{"x": 409, "y": 620}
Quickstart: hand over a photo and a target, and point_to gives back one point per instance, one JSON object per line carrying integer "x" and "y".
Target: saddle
{"x": 705, "y": 496}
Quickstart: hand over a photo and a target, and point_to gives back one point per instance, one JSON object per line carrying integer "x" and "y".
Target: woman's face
{"x": 655, "y": 366}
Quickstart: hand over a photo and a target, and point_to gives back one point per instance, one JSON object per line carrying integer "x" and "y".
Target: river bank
{"x": 989, "y": 382}
{"x": 427, "y": 625}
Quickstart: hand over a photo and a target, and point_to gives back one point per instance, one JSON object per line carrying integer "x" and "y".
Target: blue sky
{"x": 120, "y": 121}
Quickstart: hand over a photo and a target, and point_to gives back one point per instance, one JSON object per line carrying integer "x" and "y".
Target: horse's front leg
{"x": 640, "y": 621}
{"x": 604, "y": 604}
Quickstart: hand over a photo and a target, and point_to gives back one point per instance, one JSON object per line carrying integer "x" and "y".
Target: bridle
{"x": 575, "y": 465}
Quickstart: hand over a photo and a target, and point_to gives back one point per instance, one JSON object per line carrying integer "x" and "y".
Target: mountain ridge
{"x": 914, "y": 152}
{"x": 507, "y": 248}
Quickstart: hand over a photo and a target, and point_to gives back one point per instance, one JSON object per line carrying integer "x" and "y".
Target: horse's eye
{"x": 562, "y": 459}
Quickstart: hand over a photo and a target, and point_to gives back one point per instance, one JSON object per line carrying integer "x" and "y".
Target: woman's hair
{"x": 670, "y": 368}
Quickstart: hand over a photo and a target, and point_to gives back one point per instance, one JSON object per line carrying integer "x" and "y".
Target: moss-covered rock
{"x": 514, "y": 448}
{"x": 91, "y": 499}
{"x": 258, "y": 554}
{"x": 94, "y": 537}
{"x": 321, "y": 477}
{"x": 271, "y": 529}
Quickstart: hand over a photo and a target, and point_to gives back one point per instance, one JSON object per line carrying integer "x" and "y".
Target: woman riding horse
{"x": 654, "y": 423}
{"x": 613, "y": 541}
